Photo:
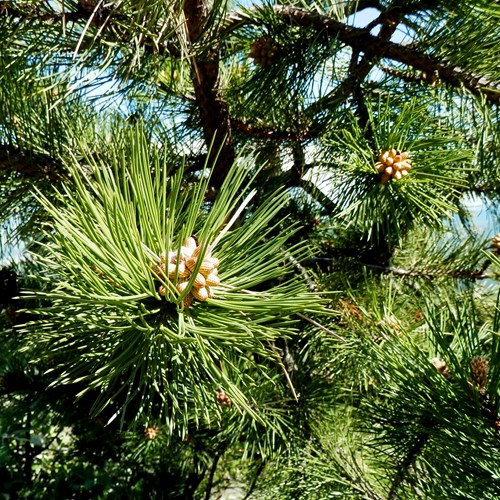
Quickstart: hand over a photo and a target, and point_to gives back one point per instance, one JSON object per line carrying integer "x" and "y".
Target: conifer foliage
{"x": 238, "y": 256}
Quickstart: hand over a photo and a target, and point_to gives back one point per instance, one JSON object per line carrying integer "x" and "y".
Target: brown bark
{"x": 29, "y": 165}
{"x": 213, "y": 109}
{"x": 363, "y": 41}
{"x": 269, "y": 133}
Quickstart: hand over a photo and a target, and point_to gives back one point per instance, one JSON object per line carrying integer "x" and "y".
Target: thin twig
{"x": 405, "y": 465}
{"x": 472, "y": 274}
{"x": 321, "y": 327}
{"x": 210, "y": 481}
{"x": 361, "y": 39}
{"x": 256, "y": 476}
{"x": 288, "y": 379}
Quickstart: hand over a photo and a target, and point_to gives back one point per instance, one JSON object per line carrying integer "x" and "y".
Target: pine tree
{"x": 238, "y": 256}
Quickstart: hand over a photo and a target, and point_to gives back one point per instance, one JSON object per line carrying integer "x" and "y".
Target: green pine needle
{"x": 108, "y": 329}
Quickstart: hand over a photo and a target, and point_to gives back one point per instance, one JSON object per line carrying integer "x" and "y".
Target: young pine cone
{"x": 495, "y": 243}
{"x": 263, "y": 51}
{"x": 393, "y": 164}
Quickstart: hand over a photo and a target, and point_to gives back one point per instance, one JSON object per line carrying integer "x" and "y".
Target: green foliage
{"x": 150, "y": 354}
{"x": 429, "y": 193}
{"x": 347, "y": 343}
{"x": 413, "y": 404}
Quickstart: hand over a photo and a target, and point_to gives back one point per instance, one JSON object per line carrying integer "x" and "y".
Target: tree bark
{"x": 213, "y": 109}
{"x": 362, "y": 40}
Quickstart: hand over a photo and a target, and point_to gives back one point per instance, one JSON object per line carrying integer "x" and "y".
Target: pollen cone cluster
{"x": 183, "y": 264}
{"x": 151, "y": 433}
{"x": 393, "y": 164}
{"x": 263, "y": 50}
{"x": 495, "y": 243}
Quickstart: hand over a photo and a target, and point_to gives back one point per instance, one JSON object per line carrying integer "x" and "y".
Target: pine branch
{"x": 100, "y": 18}
{"x": 359, "y": 70}
{"x": 193, "y": 480}
{"x": 28, "y": 452}
{"x": 362, "y": 5}
{"x": 258, "y": 472}
{"x": 213, "y": 469}
{"x": 469, "y": 274}
{"x": 238, "y": 18}
{"x": 402, "y": 8}
{"x": 412, "y": 76}
{"x": 29, "y": 165}
{"x": 295, "y": 178}
{"x": 31, "y": 13}
{"x": 389, "y": 22}
{"x": 273, "y": 134}
{"x": 292, "y": 178}
{"x": 213, "y": 109}
{"x": 362, "y": 40}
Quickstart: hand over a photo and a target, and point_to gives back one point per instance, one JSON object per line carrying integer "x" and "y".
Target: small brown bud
{"x": 180, "y": 264}
{"x": 190, "y": 243}
{"x": 315, "y": 221}
{"x": 383, "y": 156}
{"x": 495, "y": 243}
{"x": 223, "y": 399}
{"x": 212, "y": 280}
{"x": 263, "y": 51}
{"x": 207, "y": 266}
{"x": 199, "y": 281}
{"x": 197, "y": 251}
{"x": 479, "y": 368}
{"x": 182, "y": 271}
{"x": 385, "y": 177}
{"x": 191, "y": 263}
{"x": 182, "y": 285}
{"x": 88, "y": 5}
{"x": 350, "y": 309}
